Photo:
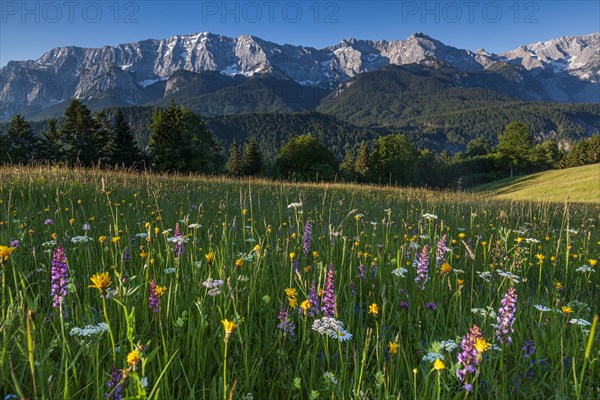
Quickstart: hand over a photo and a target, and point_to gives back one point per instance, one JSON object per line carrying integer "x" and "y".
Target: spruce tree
{"x": 104, "y": 135}
{"x": 234, "y": 163}
{"x": 52, "y": 148}
{"x": 23, "y": 145}
{"x": 361, "y": 165}
{"x": 79, "y": 132}
{"x": 252, "y": 161}
{"x": 123, "y": 150}
{"x": 181, "y": 142}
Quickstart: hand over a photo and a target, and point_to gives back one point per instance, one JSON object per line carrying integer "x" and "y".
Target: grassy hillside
{"x": 580, "y": 184}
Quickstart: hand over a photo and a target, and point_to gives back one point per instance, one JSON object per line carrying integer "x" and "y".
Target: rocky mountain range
{"x": 566, "y": 69}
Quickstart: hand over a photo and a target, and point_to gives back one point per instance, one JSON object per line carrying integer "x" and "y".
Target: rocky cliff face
{"x": 568, "y": 68}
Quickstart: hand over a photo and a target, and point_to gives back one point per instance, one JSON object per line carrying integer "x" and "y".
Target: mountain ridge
{"x": 568, "y": 68}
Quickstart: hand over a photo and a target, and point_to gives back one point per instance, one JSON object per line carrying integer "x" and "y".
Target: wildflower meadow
{"x": 136, "y": 286}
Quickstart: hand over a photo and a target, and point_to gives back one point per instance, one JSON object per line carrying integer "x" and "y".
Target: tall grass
{"x": 241, "y": 234}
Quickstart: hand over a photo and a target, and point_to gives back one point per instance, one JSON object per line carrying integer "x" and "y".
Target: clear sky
{"x": 30, "y": 28}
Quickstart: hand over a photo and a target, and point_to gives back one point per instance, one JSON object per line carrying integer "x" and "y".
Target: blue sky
{"x": 29, "y": 29}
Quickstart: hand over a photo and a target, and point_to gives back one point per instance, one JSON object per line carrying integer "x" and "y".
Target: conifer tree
{"x": 123, "y": 149}
{"x": 361, "y": 165}
{"x": 22, "y": 144}
{"x": 52, "y": 148}
{"x": 79, "y": 132}
{"x": 234, "y": 163}
{"x": 181, "y": 142}
{"x": 104, "y": 137}
{"x": 252, "y": 160}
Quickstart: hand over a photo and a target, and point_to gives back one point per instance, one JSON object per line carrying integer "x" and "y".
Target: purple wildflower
{"x": 15, "y": 243}
{"x": 60, "y": 277}
{"x": 328, "y": 304}
{"x": 178, "y": 240}
{"x": 361, "y": 271}
{"x": 529, "y": 348}
{"x": 313, "y": 299}
{"x": 423, "y": 267}
{"x": 441, "y": 250}
{"x": 431, "y": 305}
{"x": 506, "y": 316}
{"x": 286, "y": 325}
{"x": 153, "y": 297}
{"x": 404, "y": 305}
{"x": 467, "y": 358}
{"x": 87, "y": 226}
{"x": 306, "y": 237}
{"x": 48, "y": 221}
{"x": 115, "y": 385}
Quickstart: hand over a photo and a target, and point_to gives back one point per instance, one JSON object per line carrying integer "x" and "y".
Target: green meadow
{"x": 121, "y": 285}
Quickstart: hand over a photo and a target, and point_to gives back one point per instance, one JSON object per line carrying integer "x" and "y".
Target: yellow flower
{"x": 439, "y": 365}
{"x": 547, "y": 238}
{"x": 160, "y": 290}
{"x": 593, "y": 262}
{"x": 453, "y": 241}
{"x": 239, "y": 262}
{"x": 482, "y": 345}
{"x": 540, "y": 257}
{"x": 461, "y": 235}
{"x": 519, "y": 239}
{"x": 5, "y": 252}
{"x": 210, "y": 257}
{"x": 116, "y": 239}
{"x": 484, "y": 244}
{"x": 291, "y": 292}
{"x": 292, "y": 255}
{"x": 244, "y": 211}
{"x": 101, "y": 282}
{"x": 566, "y": 310}
{"x": 305, "y": 305}
{"x": 374, "y": 309}
{"x": 229, "y": 328}
{"x": 102, "y": 239}
{"x": 460, "y": 282}
{"x": 293, "y": 302}
{"x": 294, "y": 235}
{"x": 558, "y": 285}
{"x": 445, "y": 268}
{"x": 256, "y": 248}
{"x": 315, "y": 254}
{"x": 134, "y": 357}
{"x": 147, "y": 225}
{"x": 357, "y": 217}
{"x": 72, "y": 221}
{"x": 156, "y": 230}
{"x": 393, "y": 347}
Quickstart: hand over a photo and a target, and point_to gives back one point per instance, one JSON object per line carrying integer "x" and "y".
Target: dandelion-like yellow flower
{"x": 239, "y": 262}
{"x": 460, "y": 282}
{"x": 229, "y": 326}
{"x": 116, "y": 239}
{"x": 72, "y": 221}
{"x": 292, "y": 255}
{"x": 244, "y": 211}
{"x": 102, "y": 239}
{"x": 357, "y": 217}
{"x": 305, "y": 305}
{"x": 5, "y": 252}
{"x": 315, "y": 254}
{"x": 482, "y": 345}
{"x": 393, "y": 347}
{"x": 461, "y": 235}
{"x": 374, "y": 309}
{"x": 160, "y": 290}
{"x": 293, "y": 302}
{"x": 540, "y": 258}
{"x": 445, "y": 268}
{"x": 484, "y": 244}
{"x": 558, "y": 285}
{"x": 439, "y": 365}
{"x": 209, "y": 257}
{"x": 291, "y": 292}
{"x": 566, "y": 310}
{"x": 520, "y": 239}
{"x": 256, "y": 248}
{"x": 593, "y": 262}
{"x": 134, "y": 357}
{"x": 101, "y": 282}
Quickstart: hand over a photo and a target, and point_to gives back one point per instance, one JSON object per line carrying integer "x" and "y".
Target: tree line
{"x": 180, "y": 141}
